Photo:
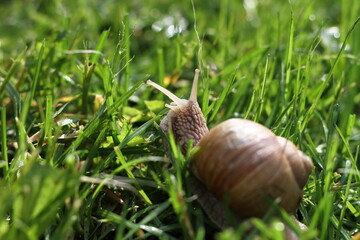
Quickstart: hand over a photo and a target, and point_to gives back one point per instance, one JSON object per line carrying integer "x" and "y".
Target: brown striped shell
{"x": 246, "y": 165}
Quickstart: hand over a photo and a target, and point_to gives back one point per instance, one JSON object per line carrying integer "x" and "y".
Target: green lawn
{"x": 81, "y": 149}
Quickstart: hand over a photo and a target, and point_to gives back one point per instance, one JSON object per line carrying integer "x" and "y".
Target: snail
{"x": 239, "y": 162}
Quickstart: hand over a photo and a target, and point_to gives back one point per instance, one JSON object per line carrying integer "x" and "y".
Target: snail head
{"x": 185, "y": 118}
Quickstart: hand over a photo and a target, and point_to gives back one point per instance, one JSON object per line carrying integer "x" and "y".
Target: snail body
{"x": 239, "y": 162}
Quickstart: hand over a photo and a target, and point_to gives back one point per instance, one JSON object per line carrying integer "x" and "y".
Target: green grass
{"x": 81, "y": 149}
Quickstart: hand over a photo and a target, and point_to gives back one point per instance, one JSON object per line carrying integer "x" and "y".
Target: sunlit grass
{"x": 82, "y": 154}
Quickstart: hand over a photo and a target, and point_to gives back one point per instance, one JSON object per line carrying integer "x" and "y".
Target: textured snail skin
{"x": 246, "y": 163}
{"x": 186, "y": 123}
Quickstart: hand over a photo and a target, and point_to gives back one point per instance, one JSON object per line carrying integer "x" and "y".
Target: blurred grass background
{"x": 81, "y": 151}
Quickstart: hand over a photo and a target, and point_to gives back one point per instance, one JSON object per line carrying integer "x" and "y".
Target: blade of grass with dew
{"x": 110, "y": 216}
{"x": 153, "y": 214}
{"x": 143, "y": 212}
{"x": 158, "y": 232}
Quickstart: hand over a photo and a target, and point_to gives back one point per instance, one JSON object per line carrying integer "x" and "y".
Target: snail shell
{"x": 239, "y": 162}
{"x": 245, "y": 162}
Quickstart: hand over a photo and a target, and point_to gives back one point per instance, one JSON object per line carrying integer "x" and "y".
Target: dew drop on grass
{"x": 330, "y": 38}
{"x": 279, "y": 226}
{"x": 171, "y": 25}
